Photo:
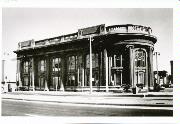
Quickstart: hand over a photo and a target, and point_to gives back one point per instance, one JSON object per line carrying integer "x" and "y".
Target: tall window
{"x": 79, "y": 71}
{"x": 117, "y": 69}
{"x": 95, "y": 73}
{"x": 72, "y": 63}
{"x": 41, "y": 72}
{"x": 56, "y": 75}
{"x": 26, "y": 67}
{"x": 26, "y": 73}
{"x": 56, "y": 64}
{"x": 42, "y": 65}
{"x": 140, "y": 66}
{"x": 140, "y": 58}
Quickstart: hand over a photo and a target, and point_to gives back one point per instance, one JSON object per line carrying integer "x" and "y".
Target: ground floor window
{"x": 56, "y": 73}
{"x": 72, "y": 68}
{"x": 95, "y": 70}
{"x": 42, "y": 77}
{"x": 116, "y": 63}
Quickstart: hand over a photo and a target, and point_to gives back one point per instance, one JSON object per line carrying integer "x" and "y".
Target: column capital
{"x": 129, "y": 46}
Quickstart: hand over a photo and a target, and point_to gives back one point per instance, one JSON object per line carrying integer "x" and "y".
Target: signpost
{"x": 90, "y": 64}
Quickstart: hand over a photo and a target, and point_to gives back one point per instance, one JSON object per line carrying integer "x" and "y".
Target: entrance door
{"x": 139, "y": 77}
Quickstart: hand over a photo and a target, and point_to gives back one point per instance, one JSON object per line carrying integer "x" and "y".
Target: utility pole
{"x": 156, "y": 55}
{"x": 3, "y": 62}
{"x": 3, "y": 65}
{"x": 90, "y": 64}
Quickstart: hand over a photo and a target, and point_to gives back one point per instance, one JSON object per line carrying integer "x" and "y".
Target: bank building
{"x": 98, "y": 58}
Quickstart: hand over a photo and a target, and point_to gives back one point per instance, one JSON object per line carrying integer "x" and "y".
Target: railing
{"x": 55, "y": 40}
{"x": 129, "y": 28}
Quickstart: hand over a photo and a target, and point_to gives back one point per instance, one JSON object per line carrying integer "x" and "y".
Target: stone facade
{"x": 96, "y": 58}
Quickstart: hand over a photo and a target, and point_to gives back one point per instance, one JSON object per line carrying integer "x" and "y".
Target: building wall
{"x": 118, "y": 59}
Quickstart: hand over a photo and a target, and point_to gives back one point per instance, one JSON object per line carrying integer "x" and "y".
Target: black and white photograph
{"x": 82, "y": 61}
{"x": 100, "y": 62}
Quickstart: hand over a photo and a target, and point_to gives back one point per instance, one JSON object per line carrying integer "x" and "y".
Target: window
{"x": 56, "y": 65}
{"x": 94, "y": 61}
{"x": 56, "y": 77}
{"x": 79, "y": 71}
{"x": 42, "y": 65}
{"x": 26, "y": 67}
{"x": 72, "y": 64}
{"x": 95, "y": 73}
{"x": 140, "y": 58}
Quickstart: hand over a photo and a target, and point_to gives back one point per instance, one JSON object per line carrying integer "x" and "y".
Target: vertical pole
{"x": 90, "y": 65}
{"x": 78, "y": 75}
{"x": 121, "y": 66}
{"x": 82, "y": 76}
{"x": 33, "y": 74}
{"x": 131, "y": 66}
{"x": 47, "y": 73}
{"x": 114, "y": 70}
{"x": 3, "y": 63}
{"x": 109, "y": 69}
{"x": 156, "y": 54}
{"x": 106, "y": 62}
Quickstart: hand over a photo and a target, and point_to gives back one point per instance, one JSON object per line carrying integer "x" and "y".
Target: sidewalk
{"x": 151, "y": 99}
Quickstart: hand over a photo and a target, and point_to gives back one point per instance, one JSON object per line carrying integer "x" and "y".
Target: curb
{"x": 147, "y": 105}
{"x": 97, "y": 95}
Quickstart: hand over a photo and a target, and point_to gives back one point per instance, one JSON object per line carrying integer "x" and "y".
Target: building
{"x": 96, "y": 58}
{"x": 163, "y": 77}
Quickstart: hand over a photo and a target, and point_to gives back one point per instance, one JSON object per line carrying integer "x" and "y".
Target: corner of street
{"x": 105, "y": 104}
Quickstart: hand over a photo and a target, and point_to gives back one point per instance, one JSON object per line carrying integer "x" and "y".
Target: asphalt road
{"x": 24, "y": 108}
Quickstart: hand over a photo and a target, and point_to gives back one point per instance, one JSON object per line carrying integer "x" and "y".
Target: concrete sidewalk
{"x": 151, "y": 99}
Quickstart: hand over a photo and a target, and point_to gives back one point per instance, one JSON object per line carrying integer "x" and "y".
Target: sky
{"x": 22, "y": 24}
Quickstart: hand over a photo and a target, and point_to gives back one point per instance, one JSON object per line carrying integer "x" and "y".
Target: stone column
{"x": 131, "y": 65}
{"x": 32, "y": 74}
{"x": 109, "y": 69}
{"x": 114, "y": 72}
{"x": 19, "y": 72}
{"x": 106, "y": 69}
{"x": 47, "y": 73}
{"x": 150, "y": 68}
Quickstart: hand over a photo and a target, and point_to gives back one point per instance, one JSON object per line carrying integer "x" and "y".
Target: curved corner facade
{"x": 96, "y": 58}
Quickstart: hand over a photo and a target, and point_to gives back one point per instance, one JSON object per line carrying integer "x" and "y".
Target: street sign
{"x": 92, "y": 30}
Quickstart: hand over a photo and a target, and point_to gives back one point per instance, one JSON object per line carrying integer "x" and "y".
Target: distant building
{"x": 118, "y": 55}
{"x": 164, "y": 78}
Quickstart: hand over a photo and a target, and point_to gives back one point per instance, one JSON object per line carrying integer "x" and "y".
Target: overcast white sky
{"x": 20, "y": 24}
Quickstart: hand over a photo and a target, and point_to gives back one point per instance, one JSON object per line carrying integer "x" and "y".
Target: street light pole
{"x": 90, "y": 64}
{"x": 3, "y": 62}
{"x": 3, "y": 65}
{"x": 156, "y": 55}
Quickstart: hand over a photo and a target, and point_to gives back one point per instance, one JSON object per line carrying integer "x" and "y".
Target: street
{"x": 27, "y": 108}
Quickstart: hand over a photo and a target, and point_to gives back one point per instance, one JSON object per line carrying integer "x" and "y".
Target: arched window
{"x": 140, "y": 58}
